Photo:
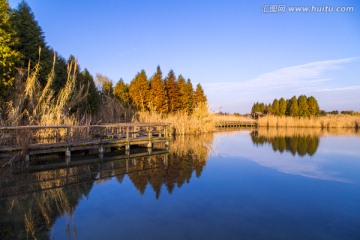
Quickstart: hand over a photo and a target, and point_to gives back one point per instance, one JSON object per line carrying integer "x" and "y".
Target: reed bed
{"x": 272, "y": 132}
{"x": 331, "y": 121}
{"x": 201, "y": 121}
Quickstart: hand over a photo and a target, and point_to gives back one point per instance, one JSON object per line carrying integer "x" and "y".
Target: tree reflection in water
{"x": 31, "y": 199}
{"x": 298, "y": 142}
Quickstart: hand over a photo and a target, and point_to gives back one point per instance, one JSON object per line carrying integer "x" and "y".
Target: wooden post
{"x": 101, "y": 149}
{"x": 57, "y": 137}
{"x": 101, "y": 134}
{"x": 127, "y": 133}
{"x": 149, "y": 134}
{"x": 68, "y": 135}
{"x": 68, "y": 153}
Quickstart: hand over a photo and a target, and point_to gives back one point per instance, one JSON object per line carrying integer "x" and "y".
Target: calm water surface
{"x": 265, "y": 184}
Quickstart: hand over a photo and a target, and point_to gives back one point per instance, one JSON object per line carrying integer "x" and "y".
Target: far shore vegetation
{"x": 40, "y": 87}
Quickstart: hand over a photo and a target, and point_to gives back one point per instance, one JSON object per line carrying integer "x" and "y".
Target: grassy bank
{"x": 330, "y": 121}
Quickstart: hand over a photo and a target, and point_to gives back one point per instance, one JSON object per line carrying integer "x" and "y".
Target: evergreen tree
{"x": 9, "y": 57}
{"x": 268, "y": 109}
{"x": 303, "y": 106}
{"x": 121, "y": 91}
{"x": 282, "y": 107}
{"x": 31, "y": 39}
{"x": 173, "y": 92}
{"x": 182, "y": 90}
{"x": 158, "y": 97}
{"x": 276, "y": 107}
{"x": 313, "y": 106}
{"x": 60, "y": 77}
{"x": 256, "y": 107}
{"x": 262, "y": 107}
{"x": 186, "y": 94}
{"x": 199, "y": 95}
{"x": 139, "y": 91}
{"x": 293, "y": 107}
{"x": 187, "y": 98}
{"x": 93, "y": 97}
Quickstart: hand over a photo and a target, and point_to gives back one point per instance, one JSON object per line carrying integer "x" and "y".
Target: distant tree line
{"x": 296, "y": 107}
{"x": 24, "y": 52}
{"x": 336, "y": 112}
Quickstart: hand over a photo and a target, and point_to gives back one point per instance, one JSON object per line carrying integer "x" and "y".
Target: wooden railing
{"x": 48, "y": 139}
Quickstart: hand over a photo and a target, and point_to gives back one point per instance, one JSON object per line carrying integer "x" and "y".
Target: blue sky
{"x": 238, "y": 53}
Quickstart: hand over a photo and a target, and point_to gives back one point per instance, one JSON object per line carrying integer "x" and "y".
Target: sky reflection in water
{"x": 230, "y": 185}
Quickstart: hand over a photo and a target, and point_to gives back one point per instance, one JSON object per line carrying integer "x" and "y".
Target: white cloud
{"x": 293, "y": 80}
{"x": 338, "y": 89}
{"x": 310, "y": 74}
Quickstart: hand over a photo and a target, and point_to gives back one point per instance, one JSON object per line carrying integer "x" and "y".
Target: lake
{"x": 242, "y": 184}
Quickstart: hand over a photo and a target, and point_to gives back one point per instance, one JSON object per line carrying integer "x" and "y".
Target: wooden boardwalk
{"x": 36, "y": 140}
{"x": 236, "y": 124}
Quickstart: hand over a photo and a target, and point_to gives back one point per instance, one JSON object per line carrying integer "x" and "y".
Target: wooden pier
{"x": 236, "y": 124}
{"x": 37, "y": 140}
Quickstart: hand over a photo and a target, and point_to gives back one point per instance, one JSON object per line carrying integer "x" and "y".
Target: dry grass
{"x": 331, "y": 121}
{"x": 32, "y": 105}
{"x": 289, "y": 132}
{"x": 201, "y": 121}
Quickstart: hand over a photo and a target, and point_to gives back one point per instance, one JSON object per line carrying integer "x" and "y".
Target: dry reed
{"x": 33, "y": 105}
{"x": 272, "y": 132}
{"x": 331, "y": 121}
{"x": 201, "y": 121}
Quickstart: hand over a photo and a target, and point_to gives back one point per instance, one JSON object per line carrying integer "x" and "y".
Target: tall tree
{"x": 303, "y": 106}
{"x": 293, "y": 107}
{"x": 93, "y": 97}
{"x": 313, "y": 106}
{"x": 182, "y": 90}
{"x": 61, "y": 75}
{"x": 187, "y": 97}
{"x": 121, "y": 91}
{"x": 199, "y": 95}
{"x": 9, "y": 57}
{"x": 282, "y": 107}
{"x": 173, "y": 92}
{"x": 158, "y": 97}
{"x": 276, "y": 107}
{"x": 139, "y": 91}
{"x": 268, "y": 109}
{"x": 31, "y": 39}
{"x": 255, "y": 108}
